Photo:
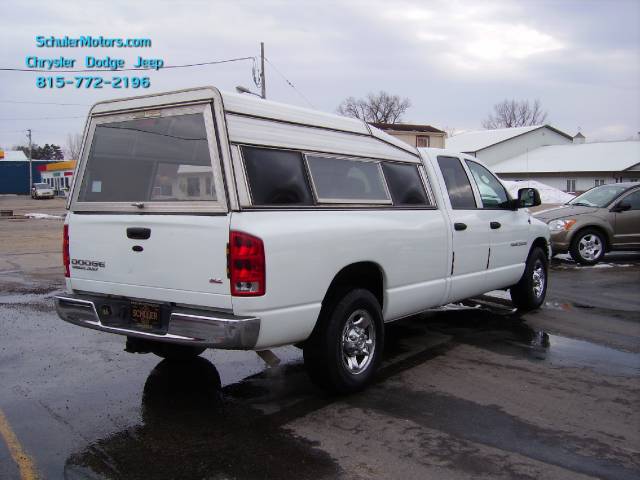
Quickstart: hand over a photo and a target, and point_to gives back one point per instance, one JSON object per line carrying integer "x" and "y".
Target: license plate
{"x": 146, "y": 315}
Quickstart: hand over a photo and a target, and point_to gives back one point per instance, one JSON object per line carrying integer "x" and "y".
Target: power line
{"x": 97, "y": 70}
{"x": 45, "y": 103}
{"x": 290, "y": 83}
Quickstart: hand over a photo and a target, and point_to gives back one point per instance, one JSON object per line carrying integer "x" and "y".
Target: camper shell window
{"x": 276, "y": 177}
{"x": 148, "y": 160}
{"x": 340, "y": 180}
{"x": 405, "y": 184}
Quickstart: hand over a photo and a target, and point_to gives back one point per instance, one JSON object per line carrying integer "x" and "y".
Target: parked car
{"x": 202, "y": 219}
{"x": 600, "y": 220}
{"x": 41, "y": 190}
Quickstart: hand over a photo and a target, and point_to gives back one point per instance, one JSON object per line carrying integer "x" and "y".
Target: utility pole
{"x": 30, "y": 163}
{"x": 262, "y": 76}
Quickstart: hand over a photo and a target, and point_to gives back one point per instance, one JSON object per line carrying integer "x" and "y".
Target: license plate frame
{"x": 146, "y": 316}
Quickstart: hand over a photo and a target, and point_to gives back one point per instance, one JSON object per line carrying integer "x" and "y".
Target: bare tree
{"x": 74, "y": 143}
{"x": 450, "y": 131}
{"x": 380, "y": 107}
{"x": 515, "y": 113}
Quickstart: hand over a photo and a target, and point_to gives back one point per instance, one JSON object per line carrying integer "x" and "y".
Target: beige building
{"x": 414, "y": 135}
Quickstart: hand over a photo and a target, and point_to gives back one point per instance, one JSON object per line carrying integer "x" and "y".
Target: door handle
{"x": 460, "y": 226}
{"x": 495, "y": 225}
{"x": 138, "y": 233}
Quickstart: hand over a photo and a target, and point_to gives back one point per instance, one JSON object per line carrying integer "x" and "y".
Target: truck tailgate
{"x": 183, "y": 260}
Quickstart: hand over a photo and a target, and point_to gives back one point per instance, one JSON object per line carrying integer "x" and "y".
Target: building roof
{"x": 584, "y": 157}
{"x": 406, "y": 127}
{"x": 477, "y": 140}
{"x": 14, "y": 156}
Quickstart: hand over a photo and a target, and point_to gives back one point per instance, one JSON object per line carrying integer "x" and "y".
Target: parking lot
{"x": 470, "y": 390}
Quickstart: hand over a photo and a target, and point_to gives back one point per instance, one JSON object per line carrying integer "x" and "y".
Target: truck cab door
{"x": 508, "y": 229}
{"x": 470, "y": 232}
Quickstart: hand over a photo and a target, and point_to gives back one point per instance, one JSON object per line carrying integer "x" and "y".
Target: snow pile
{"x": 547, "y": 194}
{"x": 44, "y": 216}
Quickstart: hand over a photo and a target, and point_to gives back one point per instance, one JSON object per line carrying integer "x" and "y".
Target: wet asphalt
{"x": 470, "y": 390}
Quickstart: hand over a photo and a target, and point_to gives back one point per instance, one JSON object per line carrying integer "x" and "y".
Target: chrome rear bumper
{"x": 187, "y": 326}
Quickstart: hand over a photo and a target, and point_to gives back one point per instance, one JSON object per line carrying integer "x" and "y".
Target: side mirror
{"x": 621, "y": 207}
{"x": 528, "y": 197}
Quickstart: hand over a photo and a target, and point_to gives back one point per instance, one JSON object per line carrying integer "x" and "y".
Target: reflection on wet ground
{"x": 193, "y": 426}
{"x": 506, "y": 332}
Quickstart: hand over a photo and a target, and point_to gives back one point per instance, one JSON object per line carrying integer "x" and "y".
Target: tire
{"x": 173, "y": 351}
{"x": 588, "y": 246}
{"x": 529, "y": 293}
{"x": 332, "y": 361}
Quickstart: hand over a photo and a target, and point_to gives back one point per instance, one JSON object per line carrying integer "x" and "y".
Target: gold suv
{"x": 602, "y": 219}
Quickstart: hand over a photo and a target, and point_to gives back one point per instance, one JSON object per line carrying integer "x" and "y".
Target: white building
{"x": 575, "y": 167}
{"x": 550, "y": 156}
{"x": 493, "y": 146}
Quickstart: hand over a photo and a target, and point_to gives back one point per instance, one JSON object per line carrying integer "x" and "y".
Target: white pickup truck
{"x": 200, "y": 219}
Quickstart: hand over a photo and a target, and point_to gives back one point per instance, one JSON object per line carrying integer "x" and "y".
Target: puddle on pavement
{"x": 194, "y": 428}
{"x": 505, "y": 332}
{"x": 568, "y": 352}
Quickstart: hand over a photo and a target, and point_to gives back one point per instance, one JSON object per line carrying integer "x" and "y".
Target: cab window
{"x": 492, "y": 193}
{"x": 633, "y": 199}
{"x": 457, "y": 182}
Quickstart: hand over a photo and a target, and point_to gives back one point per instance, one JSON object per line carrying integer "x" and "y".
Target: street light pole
{"x": 262, "y": 75}
{"x": 30, "y": 162}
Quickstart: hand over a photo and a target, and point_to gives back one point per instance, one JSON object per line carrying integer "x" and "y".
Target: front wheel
{"x": 529, "y": 293}
{"x": 345, "y": 349}
{"x": 588, "y": 247}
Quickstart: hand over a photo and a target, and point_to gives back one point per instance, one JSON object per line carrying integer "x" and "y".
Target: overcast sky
{"x": 453, "y": 59}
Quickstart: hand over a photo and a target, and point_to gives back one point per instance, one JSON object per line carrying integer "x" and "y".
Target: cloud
{"x": 453, "y": 59}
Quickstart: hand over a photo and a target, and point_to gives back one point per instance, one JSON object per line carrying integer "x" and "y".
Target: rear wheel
{"x": 174, "y": 351}
{"x": 588, "y": 247}
{"x": 529, "y": 293}
{"x": 345, "y": 349}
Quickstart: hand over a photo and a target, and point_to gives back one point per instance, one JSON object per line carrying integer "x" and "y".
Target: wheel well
{"x": 605, "y": 235}
{"x": 542, "y": 243}
{"x": 362, "y": 274}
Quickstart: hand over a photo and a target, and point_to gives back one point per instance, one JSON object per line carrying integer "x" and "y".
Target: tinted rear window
{"x": 405, "y": 184}
{"x": 351, "y": 181}
{"x": 151, "y": 159}
{"x": 276, "y": 177}
{"x": 458, "y": 185}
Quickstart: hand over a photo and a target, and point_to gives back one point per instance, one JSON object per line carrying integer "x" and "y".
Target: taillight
{"x": 65, "y": 250}
{"x": 246, "y": 265}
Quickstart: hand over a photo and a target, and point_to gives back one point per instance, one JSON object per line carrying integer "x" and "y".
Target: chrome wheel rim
{"x": 590, "y": 247}
{"x": 358, "y": 342}
{"x": 539, "y": 279}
